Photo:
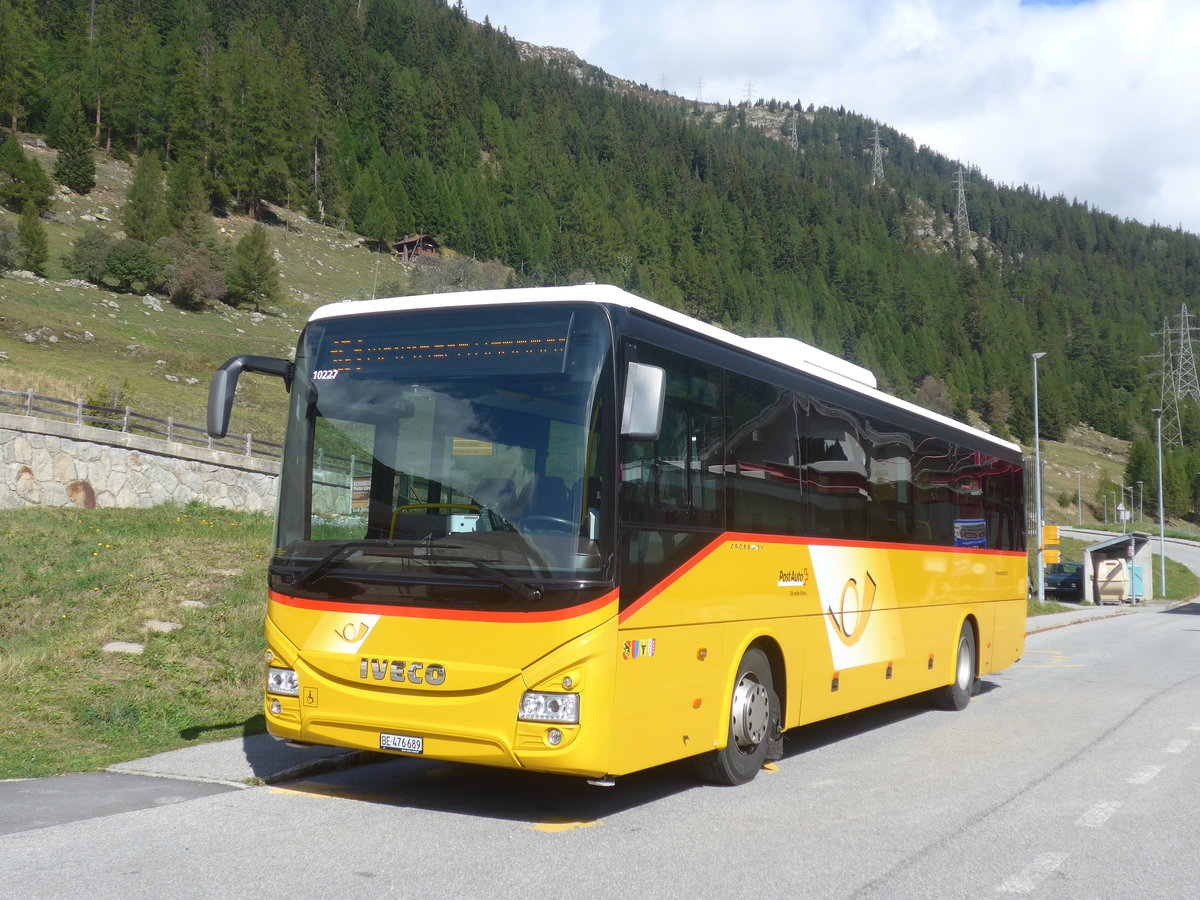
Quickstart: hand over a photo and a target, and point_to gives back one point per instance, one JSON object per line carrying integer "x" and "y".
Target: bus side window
{"x": 677, "y": 479}
{"x": 835, "y": 472}
{"x": 890, "y": 474}
{"x": 762, "y": 459}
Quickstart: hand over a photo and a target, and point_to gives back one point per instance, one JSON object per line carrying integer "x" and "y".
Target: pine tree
{"x": 9, "y": 249}
{"x": 187, "y": 203}
{"x": 144, "y": 215}
{"x": 31, "y": 235}
{"x": 75, "y": 166}
{"x": 18, "y": 57}
{"x": 255, "y": 275}
{"x": 22, "y": 179}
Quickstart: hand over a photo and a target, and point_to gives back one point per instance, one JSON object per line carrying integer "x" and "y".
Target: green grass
{"x": 78, "y": 579}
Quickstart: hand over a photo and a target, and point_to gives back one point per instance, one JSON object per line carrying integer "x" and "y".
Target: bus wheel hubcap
{"x": 964, "y": 664}
{"x": 751, "y": 711}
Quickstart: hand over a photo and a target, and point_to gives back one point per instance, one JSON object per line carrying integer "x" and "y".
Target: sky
{"x": 1096, "y": 100}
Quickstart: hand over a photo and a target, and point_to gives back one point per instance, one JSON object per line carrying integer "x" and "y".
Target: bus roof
{"x": 784, "y": 351}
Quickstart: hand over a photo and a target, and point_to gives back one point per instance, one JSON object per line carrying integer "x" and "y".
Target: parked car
{"x": 1065, "y": 580}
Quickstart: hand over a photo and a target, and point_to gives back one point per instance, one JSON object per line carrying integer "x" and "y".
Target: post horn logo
{"x": 352, "y": 632}
{"x": 850, "y": 623}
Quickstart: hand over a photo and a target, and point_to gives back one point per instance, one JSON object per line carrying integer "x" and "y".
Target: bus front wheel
{"x": 957, "y": 694}
{"x": 753, "y": 723}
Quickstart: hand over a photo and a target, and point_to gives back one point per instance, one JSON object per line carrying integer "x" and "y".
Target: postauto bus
{"x": 570, "y": 530}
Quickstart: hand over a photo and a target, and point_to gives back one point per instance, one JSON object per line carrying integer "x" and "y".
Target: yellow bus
{"x": 570, "y": 530}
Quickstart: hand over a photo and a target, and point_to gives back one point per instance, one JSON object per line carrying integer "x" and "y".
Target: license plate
{"x": 401, "y": 743}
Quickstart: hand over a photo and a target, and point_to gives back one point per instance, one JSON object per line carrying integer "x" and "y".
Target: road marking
{"x": 1058, "y": 660}
{"x": 1144, "y": 775}
{"x": 1049, "y": 666}
{"x": 1028, "y": 879}
{"x": 1195, "y": 727}
{"x": 1098, "y": 814}
{"x": 1177, "y": 746}
{"x": 315, "y": 789}
{"x": 558, "y": 825}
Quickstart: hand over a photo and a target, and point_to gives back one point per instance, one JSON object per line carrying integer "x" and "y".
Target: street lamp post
{"x": 1037, "y": 464}
{"x": 1162, "y": 522}
{"x": 1079, "y": 496}
{"x": 1141, "y": 497}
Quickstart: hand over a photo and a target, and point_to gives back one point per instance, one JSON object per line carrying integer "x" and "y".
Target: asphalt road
{"x": 1073, "y": 774}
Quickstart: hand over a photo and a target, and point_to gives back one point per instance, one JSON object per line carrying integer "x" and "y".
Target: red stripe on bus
{"x": 880, "y": 545}
{"x": 458, "y": 615}
{"x": 671, "y": 579}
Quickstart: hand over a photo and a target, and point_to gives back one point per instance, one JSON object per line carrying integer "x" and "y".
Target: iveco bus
{"x": 570, "y": 530}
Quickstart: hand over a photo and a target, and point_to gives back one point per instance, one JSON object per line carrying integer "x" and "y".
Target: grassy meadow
{"x": 79, "y": 579}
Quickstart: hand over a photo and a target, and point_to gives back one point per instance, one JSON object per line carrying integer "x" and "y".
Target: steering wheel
{"x": 545, "y": 525}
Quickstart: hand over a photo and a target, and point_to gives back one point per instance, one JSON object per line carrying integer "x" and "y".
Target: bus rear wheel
{"x": 957, "y": 694}
{"x": 753, "y": 724}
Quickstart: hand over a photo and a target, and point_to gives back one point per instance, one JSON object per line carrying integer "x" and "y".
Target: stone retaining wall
{"x": 49, "y": 463}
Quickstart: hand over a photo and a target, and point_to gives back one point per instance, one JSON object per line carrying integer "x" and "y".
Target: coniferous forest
{"x": 404, "y": 116}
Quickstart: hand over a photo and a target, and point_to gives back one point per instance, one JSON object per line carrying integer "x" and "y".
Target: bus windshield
{"x": 457, "y": 447}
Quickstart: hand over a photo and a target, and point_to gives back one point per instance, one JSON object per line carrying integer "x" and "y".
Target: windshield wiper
{"x": 342, "y": 550}
{"x": 526, "y": 592}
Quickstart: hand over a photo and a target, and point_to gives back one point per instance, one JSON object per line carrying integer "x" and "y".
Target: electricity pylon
{"x": 876, "y": 159}
{"x": 1179, "y": 381}
{"x": 961, "y": 224}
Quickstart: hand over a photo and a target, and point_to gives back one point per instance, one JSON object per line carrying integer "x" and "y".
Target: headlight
{"x": 282, "y": 681}
{"x": 537, "y": 707}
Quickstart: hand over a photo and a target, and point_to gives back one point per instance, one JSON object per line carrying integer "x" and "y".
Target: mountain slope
{"x": 404, "y": 116}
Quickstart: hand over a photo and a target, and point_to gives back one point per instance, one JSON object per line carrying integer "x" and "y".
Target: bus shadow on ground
{"x": 822, "y": 734}
{"x": 1187, "y": 609}
{"x": 557, "y": 802}
{"x": 545, "y": 802}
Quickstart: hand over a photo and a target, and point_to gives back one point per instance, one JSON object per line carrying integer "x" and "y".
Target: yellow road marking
{"x": 1050, "y": 666}
{"x": 558, "y": 825}
{"x": 312, "y": 789}
{"x": 1058, "y": 660}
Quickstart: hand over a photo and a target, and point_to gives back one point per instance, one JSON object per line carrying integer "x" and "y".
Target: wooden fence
{"x": 129, "y": 422}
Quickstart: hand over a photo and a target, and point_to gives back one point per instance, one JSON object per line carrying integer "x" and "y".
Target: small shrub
{"x": 112, "y": 396}
{"x": 88, "y": 254}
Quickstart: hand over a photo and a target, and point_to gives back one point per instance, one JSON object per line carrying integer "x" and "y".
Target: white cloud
{"x": 1091, "y": 99}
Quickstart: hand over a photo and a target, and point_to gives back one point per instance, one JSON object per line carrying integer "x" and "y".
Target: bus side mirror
{"x": 645, "y": 392}
{"x": 224, "y": 383}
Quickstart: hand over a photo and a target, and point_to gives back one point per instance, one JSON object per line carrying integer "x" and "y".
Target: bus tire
{"x": 957, "y": 694}
{"x": 753, "y": 723}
